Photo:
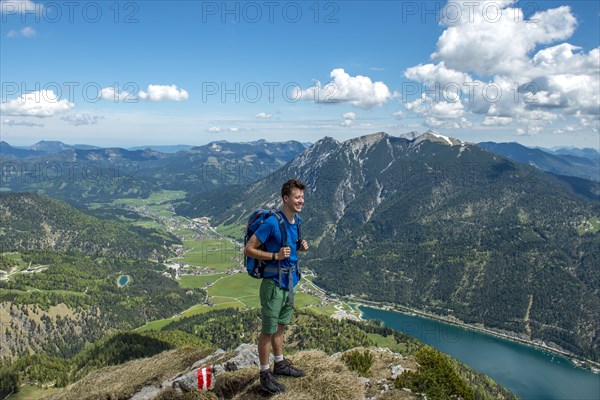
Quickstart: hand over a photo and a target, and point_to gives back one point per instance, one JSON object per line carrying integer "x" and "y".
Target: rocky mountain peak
{"x": 436, "y": 137}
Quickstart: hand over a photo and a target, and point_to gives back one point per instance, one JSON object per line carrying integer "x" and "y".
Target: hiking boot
{"x": 285, "y": 368}
{"x": 269, "y": 384}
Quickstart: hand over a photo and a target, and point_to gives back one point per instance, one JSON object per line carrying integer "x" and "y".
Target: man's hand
{"x": 283, "y": 253}
{"x": 303, "y": 246}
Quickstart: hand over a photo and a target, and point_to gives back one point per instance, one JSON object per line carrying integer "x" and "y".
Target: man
{"x": 275, "y": 293}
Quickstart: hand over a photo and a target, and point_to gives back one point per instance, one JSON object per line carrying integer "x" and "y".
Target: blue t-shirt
{"x": 270, "y": 234}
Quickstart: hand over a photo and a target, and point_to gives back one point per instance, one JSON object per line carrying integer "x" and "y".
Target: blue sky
{"x": 156, "y": 72}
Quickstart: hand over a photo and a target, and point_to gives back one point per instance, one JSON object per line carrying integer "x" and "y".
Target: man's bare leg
{"x": 277, "y": 340}
{"x": 264, "y": 347}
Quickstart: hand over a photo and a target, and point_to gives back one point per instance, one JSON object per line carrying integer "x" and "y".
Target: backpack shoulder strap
{"x": 282, "y": 228}
{"x": 299, "y": 226}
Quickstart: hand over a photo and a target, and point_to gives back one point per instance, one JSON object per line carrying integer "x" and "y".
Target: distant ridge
{"x": 568, "y": 162}
{"x": 163, "y": 148}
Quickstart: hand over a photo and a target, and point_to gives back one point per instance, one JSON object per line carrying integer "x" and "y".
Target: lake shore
{"x": 574, "y": 359}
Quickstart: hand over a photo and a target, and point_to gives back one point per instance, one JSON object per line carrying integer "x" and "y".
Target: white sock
{"x": 264, "y": 367}
{"x": 279, "y": 358}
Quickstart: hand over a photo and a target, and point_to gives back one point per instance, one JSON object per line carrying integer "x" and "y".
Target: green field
{"x": 593, "y": 228}
{"x": 389, "y": 342}
{"x": 235, "y": 286}
{"x": 232, "y": 231}
{"x": 13, "y": 255}
{"x": 201, "y": 309}
{"x": 238, "y": 290}
{"x": 198, "y": 282}
{"x": 29, "y": 392}
{"x": 210, "y": 253}
{"x": 155, "y": 206}
{"x": 197, "y": 309}
{"x": 154, "y": 198}
{"x": 325, "y": 310}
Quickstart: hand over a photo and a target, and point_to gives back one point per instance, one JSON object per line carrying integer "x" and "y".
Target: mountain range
{"x": 443, "y": 226}
{"x": 582, "y": 163}
{"x": 568, "y": 161}
{"x": 101, "y": 175}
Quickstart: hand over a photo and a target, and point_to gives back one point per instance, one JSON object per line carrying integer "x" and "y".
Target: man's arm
{"x": 252, "y": 250}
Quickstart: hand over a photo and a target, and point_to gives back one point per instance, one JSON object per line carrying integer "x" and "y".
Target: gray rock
{"x": 186, "y": 382}
{"x": 397, "y": 370}
{"x": 147, "y": 393}
{"x": 365, "y": 381}
{"x": 207, "y": 359}
{"x": 246, "y": 356}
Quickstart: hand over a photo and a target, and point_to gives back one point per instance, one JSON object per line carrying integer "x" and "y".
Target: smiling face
{"x": 294, "y": 201}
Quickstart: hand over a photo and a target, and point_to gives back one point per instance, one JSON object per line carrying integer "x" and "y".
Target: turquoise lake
{"x": 530, "y": 373}
{"x": 123, "y": 279}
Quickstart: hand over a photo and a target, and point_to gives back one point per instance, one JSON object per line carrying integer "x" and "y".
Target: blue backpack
{"x": 261, "y": 268}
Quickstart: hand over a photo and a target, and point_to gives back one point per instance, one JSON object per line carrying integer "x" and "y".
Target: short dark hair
{"x": 286, "y": 189}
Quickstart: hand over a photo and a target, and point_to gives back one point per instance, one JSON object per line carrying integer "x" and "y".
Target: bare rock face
{"x": 246, "y": 356}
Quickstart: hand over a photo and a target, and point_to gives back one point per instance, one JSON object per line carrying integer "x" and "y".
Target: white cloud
{"x": 435, "y": 122}
{"x": 565, "y": 58}
{"x": 398, "y": 114}
{"x": 110, "y": 93}
{"x": 25, "y": 32}
{"x": 531, "y": 89}
{"x": 43, "y": 103}
{"x": 263, "y": 115}
{"x": 12, "y": 122}
{"x": 566, "y": 129}
{"x": 447, "y": 110}
{"x": 349, "y": 118}
{"x": 426, "y": 106}
{"x": 217, "y": 129}
{"x": 589, "y": 121}
{"x": 497, "y": 121}
{"x": 82, "y": 119}
{"x": 534, "y": 129}
{"x": 577, "y": 92}
{"x": 10, "y": 7}
{"x": 28, "y": 31}
{"x": 477, "y": 41}
{"x": 537, "y": 115}
{"x": 163, "y": 92}
{"x": 432, "y": 74}
{"x": 359, "y": 91}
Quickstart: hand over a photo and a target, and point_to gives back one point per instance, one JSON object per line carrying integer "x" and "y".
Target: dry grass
{"x": 327, "y": 378}
{"x": 122, "y": 381}
{"x": 396, "y": 394}
{"x": 172, "y": 394}
{"x": 228, "y": 384}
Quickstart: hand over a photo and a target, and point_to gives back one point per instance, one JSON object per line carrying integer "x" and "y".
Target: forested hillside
{"x": 34, "y": 222}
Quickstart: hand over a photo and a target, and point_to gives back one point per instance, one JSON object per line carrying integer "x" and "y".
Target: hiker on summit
{"x": 277, "y": 292}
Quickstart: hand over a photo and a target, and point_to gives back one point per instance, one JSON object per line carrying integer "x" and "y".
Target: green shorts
{"x": 275, "y": 303}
